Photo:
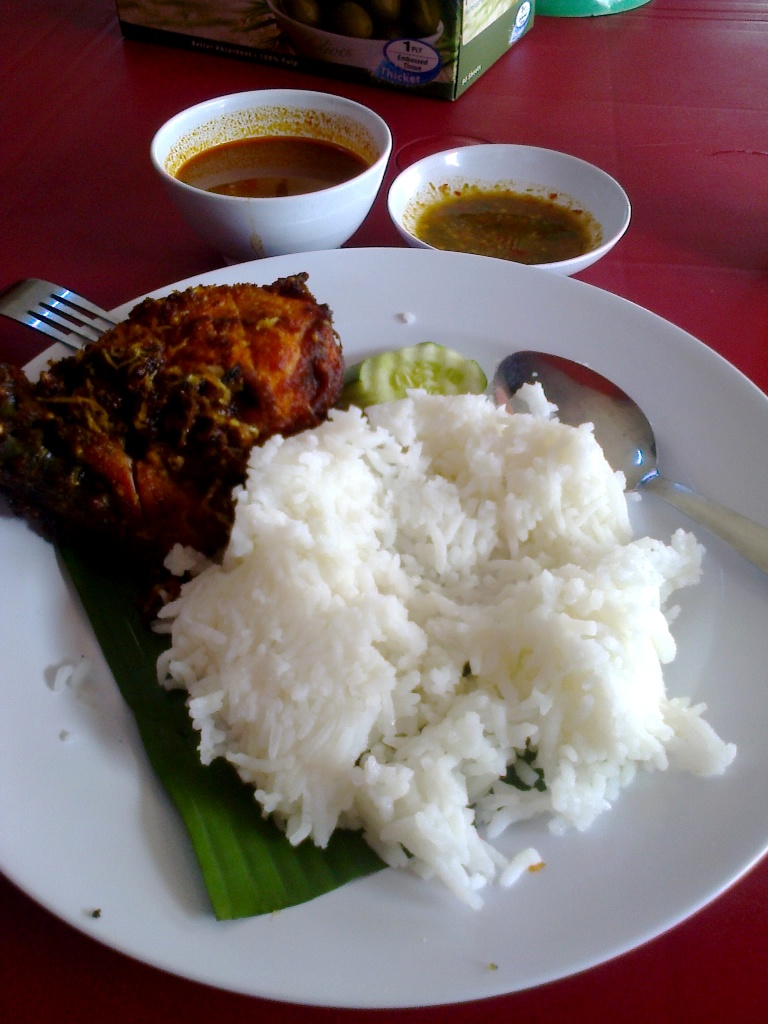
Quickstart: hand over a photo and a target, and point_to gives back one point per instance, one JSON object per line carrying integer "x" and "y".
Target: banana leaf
{"x": 247, "y": 864}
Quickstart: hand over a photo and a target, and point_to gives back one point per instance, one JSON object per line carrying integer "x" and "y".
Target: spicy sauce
{"x": 270, "y": 166}
{"x": 514, "y": 226}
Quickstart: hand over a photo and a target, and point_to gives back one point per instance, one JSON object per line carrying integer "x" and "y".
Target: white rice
{"x": 411, "y": 597}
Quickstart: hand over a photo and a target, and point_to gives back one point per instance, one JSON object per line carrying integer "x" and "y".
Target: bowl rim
{"x": 591, "y": 255}
{"x": 301, "y": 99}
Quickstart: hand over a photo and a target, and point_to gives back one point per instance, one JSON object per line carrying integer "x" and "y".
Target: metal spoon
{"x": 626, "y": 436}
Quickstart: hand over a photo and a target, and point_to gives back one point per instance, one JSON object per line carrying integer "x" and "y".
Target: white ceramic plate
{"x": 86, "y": 827}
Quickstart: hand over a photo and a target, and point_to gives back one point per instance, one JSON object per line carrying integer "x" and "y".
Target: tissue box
{"x": 426, "y": 47}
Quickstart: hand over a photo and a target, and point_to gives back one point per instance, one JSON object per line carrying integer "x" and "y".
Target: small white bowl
{"x": 245, "y": 228}
{"x": 527, "y": 169}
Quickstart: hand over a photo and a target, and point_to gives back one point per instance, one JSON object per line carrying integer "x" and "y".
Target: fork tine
{"x": 62, "y": 327}
{"x": 45, "y": 327}
{"x": 58, "y": 312}
{"x": 69, "y": 300}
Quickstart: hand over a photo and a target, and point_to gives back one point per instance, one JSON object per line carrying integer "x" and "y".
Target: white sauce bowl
{"x": 245, "y": 228}
{"x": 524, "y": 169}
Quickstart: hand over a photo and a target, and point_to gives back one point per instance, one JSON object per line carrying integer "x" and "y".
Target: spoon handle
{"x": 746, "y": 536}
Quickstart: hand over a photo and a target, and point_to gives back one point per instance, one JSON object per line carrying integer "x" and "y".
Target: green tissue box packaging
{"x": 428, "y": 47}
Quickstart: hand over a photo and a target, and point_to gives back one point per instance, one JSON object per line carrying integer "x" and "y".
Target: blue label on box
{"x": 521, "y": 22}
{"x": 408, "y": 62}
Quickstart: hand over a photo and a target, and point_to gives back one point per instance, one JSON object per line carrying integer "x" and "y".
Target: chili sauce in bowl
{"x": 520, "y": 203}
{"x": 510, "y": 225}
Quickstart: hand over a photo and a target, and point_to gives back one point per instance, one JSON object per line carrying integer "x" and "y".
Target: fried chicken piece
{"x": 141, "y": 437}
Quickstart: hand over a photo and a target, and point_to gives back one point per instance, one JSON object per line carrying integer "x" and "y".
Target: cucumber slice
{"x": 429, "y": 366}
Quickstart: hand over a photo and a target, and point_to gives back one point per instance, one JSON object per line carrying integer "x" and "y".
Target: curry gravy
{"x": 522, "y": 227}
{"x": 270, "y": 166}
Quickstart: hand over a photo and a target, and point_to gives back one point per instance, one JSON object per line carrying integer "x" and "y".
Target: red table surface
{"x": 671, "y": 98}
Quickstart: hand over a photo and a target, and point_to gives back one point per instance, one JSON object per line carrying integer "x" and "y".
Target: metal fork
{"x": 58, "y": 312}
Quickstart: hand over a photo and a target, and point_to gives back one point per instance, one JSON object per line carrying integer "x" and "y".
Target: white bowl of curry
{"x": 520, "y": 203}
{"x": 273, "y": 171}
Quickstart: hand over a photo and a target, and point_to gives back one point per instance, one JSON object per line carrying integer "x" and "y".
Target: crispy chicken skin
{"x": 141, "y": 437}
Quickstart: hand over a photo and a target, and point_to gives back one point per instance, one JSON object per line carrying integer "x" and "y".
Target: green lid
{"x": 584, "y": 8}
